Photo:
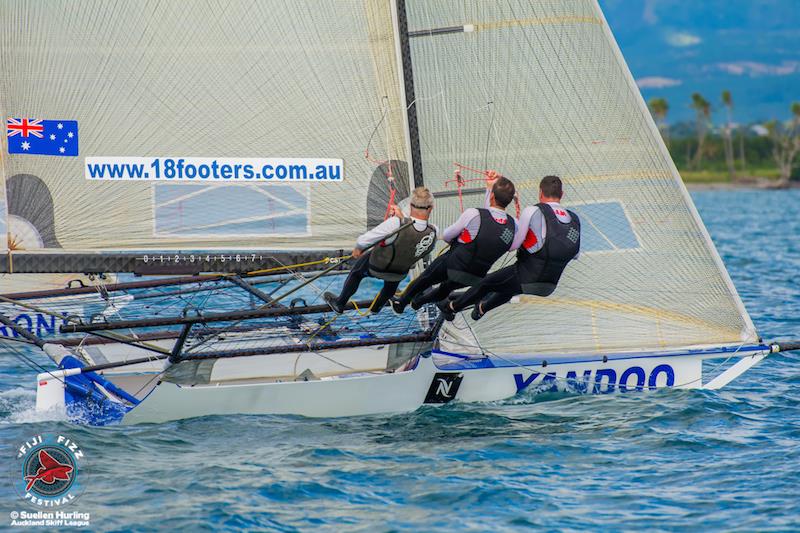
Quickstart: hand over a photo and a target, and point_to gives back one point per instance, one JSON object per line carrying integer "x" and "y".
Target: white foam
{"x": 20, "y": 404}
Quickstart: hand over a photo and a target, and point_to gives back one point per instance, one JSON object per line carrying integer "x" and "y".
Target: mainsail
{"x": 309, "y": 78}
{"x": 527, "y": 88}
{"x": 537, "y": 88}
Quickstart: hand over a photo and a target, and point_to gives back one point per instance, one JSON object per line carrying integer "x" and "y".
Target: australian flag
{"x": 42, "y": 137}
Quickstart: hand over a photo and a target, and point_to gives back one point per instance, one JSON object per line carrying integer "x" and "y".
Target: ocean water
{"x": 670, "y": 460}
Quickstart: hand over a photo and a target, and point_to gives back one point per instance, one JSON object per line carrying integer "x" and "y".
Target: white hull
{"x": 431, "y": 380}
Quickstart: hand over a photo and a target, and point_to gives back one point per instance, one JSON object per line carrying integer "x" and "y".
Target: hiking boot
{"x": 333, "y": 301}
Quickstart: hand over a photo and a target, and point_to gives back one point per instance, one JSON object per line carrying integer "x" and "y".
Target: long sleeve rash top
{"x": 386, "y": 228}
{"x": 466, "y": 228}
{"x": 532, "y": 229}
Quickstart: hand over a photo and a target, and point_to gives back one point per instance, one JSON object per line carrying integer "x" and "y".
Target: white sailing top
{"x": 387, "y": 227}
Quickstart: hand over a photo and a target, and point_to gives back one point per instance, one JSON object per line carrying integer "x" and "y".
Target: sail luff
{"x": 400, "y": 24}
{"x": 656, "y": 134}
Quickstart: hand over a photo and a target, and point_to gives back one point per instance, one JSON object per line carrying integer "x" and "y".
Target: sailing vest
{"x": 468, "y": 263}
{"x": 391, "y": 262}
{"x": 539, "y": 272}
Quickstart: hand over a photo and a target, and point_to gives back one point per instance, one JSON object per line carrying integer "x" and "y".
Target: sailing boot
{"x": 447, "y": 311}
{"x": 333, "y": 301}
{"x": 424, "y": 298}
{"x": 476, "y": 312}
{"x": 398, "y": 305}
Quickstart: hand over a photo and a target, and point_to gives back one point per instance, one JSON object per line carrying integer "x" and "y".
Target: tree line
{"x": 730, "y": 148}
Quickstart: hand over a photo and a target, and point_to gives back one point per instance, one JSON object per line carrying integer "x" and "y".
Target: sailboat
{"x": 205, "y": 292}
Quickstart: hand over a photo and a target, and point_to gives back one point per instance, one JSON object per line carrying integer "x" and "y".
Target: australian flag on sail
{"x": 42, "y": 137}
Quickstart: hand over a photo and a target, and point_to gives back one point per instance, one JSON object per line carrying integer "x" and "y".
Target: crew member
{"x": 477, "y": 239}
{"x": 551, "y": 238}
{"x": 395, "y": 253}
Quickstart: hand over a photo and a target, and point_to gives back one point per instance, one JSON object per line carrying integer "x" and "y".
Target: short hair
{"x": 504, "y": 191}
{"x": 551, "y": 187}
{"x": 421, "y": 198}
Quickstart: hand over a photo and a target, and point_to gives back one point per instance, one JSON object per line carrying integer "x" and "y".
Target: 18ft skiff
{"x": 227, "y": 316}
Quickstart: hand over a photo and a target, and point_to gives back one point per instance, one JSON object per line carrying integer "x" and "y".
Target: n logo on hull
{"x": 444, "y": 387}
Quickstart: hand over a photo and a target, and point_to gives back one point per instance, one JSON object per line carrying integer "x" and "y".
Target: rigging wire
{"x": 390, "y": 179}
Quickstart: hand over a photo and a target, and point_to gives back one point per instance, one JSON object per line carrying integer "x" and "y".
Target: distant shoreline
{"x": 763, "y": 184}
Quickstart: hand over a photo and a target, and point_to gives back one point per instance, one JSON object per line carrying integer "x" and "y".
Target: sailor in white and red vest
{"x": 477, "y": 239}
{"x": 549, "y": 238}
{"x": 396, "y": 245}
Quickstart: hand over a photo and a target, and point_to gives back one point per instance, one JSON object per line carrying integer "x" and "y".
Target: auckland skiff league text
{"x": 213, "y": 169}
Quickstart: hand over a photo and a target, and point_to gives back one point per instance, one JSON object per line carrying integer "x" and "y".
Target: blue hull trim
{"x": 471, "y": 363}
{"x": 86, "y": 403}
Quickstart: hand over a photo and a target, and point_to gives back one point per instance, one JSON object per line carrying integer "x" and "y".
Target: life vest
{"x": 391, "y": 262}
{"x": 468, "y": 263}
{"x": 539, "y": 272}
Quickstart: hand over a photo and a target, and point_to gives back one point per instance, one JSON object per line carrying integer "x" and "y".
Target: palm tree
{"x": 702, "y": 109}
{"x": 659, "y": 108}
{"x": 743, "y": 160}
{"x": 785, "y": 143}
{"x": 727, "y": 101}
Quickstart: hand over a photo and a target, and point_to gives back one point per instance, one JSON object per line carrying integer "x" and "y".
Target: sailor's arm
{"x": 530, "y": 233}
{"x": 376, "y": 234}
{"x": 452, "y": 232}
{"x": 523, "y": 224}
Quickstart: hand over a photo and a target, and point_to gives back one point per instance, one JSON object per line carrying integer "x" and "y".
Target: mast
{"x": 403, "y": 48}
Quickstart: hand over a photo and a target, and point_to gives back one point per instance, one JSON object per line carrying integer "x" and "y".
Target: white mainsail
{"x": 537, "y": 88}
{"x": 528, "y": 88}
{"x": 309, "y": 78}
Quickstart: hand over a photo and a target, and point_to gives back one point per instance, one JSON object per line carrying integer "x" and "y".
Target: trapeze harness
{"x": 391, "y": 262}
{"x": 468, "y": 263}
{"x": 539, "y": 272}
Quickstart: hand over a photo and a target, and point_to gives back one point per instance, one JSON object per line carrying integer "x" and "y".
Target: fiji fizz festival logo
{"x": 51, "y": 471}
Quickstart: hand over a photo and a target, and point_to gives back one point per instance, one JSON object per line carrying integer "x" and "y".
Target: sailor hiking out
{"x": 401, "y": 242}
{"x": 550, "y": 237}
{"x": 477, "y": 239}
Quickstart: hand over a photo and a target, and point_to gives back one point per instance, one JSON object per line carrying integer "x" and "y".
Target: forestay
{"x": 537, "y": 88}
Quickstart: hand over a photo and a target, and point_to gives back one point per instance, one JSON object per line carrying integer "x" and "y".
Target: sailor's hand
{"x": 356, "y": 253}
{"x": 491, "y": 178}
{"x": 395, "y": 211}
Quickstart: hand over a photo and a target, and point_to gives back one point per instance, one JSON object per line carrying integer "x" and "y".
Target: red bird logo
{"x": 50, "y": 471}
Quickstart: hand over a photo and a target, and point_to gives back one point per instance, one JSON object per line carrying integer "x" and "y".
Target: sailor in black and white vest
{"x": 549, "y": 239}
{"x": 395, "y": 253}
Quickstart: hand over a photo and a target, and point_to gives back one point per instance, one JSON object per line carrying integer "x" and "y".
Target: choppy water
{"x": 670, "y": 460}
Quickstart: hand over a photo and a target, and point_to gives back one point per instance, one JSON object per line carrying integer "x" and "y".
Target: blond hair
{"x": 421, "y": 198}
